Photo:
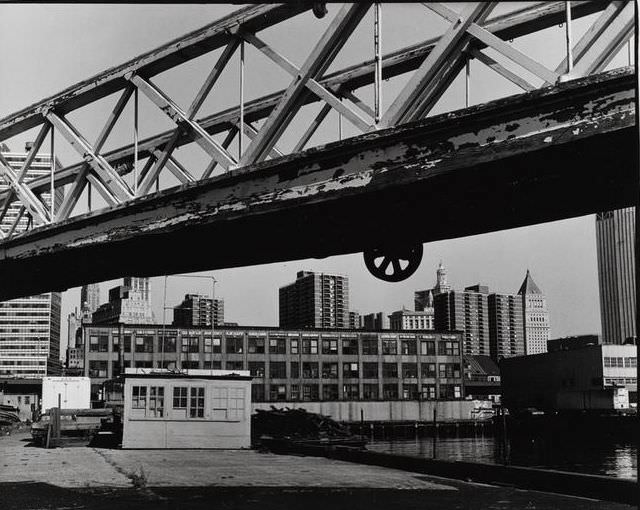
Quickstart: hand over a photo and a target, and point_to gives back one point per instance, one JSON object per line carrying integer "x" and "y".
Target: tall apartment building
{"x": 506, "y": 327}
{"x": 468, "y": 312}
{"x": 315, "y": 300}
{"x": 29, "y": 326}
{"x": 199, "y": 311}
{"x": 536, "y": 316}
{"x": 128, "y": 303}
{"x": 615, "y": 231}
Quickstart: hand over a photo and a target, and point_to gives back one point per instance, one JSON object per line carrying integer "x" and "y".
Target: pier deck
{"x": 110, "y": 478}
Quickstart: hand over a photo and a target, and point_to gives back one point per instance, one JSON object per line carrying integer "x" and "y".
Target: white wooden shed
{"x": 189, "y": 409}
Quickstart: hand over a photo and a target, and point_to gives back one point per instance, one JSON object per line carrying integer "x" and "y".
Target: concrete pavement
{"x": 87, "y": 477}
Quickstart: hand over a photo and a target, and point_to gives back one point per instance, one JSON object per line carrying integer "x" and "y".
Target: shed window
{"x": 180, "y": 397}
{"x": 139, "y": 397}
{"x": 196, "y": 404}
{"x": 156, "y": 402}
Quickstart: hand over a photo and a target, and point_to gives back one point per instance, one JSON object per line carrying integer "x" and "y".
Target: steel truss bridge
{"x": 567, "y": 146}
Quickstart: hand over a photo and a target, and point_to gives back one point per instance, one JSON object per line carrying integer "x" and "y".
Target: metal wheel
{"x": 393, "y": 264}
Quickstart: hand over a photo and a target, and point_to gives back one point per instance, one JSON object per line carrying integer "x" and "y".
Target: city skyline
{"x": 387, "y": 311}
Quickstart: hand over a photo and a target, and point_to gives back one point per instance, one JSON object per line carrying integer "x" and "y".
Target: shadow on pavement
{"x": 31, "y": 496}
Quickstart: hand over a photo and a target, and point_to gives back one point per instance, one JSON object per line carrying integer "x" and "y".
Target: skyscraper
{"x": 315, "y": 300}
{"x": 196, "y": 311}
{"x": 506, "y": 331}
{"x": 442, "y": 285}
{"x": 423, "y": 299}
{"x": 467, "y": 312}
{"x": 29, "y": 326}
{"x": 615, "y": 231}
{"x": 536, "y": 316}
{"x": 89, "y": 300}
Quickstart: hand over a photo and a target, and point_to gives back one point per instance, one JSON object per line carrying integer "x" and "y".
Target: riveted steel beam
{"x": 315, "y": 65}
{"x": 487, "y": 165}
{"x": 101, "y": 167}
{"x": 438, "y": 68}
{"x": 73, "y": 195}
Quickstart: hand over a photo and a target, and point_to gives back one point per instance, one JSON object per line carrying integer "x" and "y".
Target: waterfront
{"x": 604, "y": 457}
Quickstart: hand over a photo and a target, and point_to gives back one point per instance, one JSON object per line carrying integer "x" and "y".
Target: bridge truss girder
{"x": 436, "y": 64}
{"x": 553, "y": 153}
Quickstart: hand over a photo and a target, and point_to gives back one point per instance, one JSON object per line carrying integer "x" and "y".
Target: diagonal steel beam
{"x": 501, "y": 70}
{"x": 102, "y": 190}
{"x": 604, "y": 46}
{"x": 181, "y": 118}
{"x": 174, "y": 166}
{"x": 225, "y": 145}
{"x": 73, "y": 195}
{"x": 110, "y": 178}
{"x": 42, "y": 134}
{"x": 513, "y": 54}
{"x": 16, "y": 221}
{"x": 497, "y": 44}
{"x": 445, "y": 57}
{"x": 201, "y": 96}
{"x": 313, "y": 127}
{"x": 28, "y": 198}
{"x": 592, "y": 34}
{"x": 317, "y": 62}
{"x": 252, "y": 132}
{"x": 350, "y": 114}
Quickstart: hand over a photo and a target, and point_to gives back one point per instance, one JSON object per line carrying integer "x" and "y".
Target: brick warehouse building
{"x": 290, "y": 365}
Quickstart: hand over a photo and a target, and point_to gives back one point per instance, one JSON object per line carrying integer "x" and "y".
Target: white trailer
{"x": 70, "y": 392}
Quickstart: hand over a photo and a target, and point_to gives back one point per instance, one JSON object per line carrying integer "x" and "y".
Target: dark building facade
{"x": 615, "y": 234}
{"x": 290, "y": 365}
{"x": 196, "y": 310}
{"x": 315, "y": 300}
{"x": 375, "y": 321}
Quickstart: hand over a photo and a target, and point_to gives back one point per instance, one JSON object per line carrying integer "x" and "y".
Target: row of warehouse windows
{"x": 309, "y": 370}
{"x": 276, "y": 346}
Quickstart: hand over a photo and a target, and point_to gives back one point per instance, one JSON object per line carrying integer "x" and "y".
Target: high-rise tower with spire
{"x": 536, "y": 316}
{"x": 441, "y": 281}
{"x": 423, "y": 299}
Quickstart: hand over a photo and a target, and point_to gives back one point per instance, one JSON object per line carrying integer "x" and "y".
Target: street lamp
{"x": 164, "y": 306}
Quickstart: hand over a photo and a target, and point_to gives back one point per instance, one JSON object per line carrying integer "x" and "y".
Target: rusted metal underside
{"x": 550, "y": 154}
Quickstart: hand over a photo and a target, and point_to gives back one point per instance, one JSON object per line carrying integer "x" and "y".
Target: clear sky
{"x": 49, "y": 47}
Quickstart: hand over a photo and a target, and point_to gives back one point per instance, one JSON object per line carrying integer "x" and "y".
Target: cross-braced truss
{"x": 129, "y": 172}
